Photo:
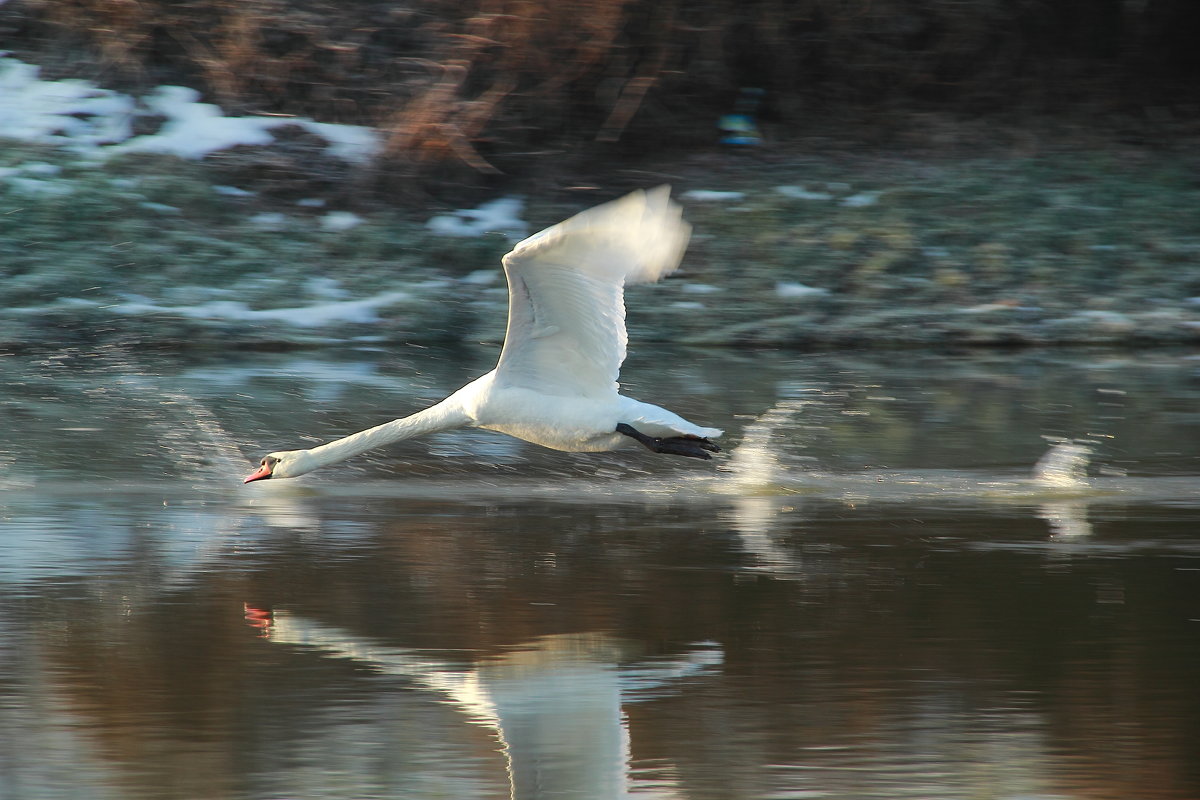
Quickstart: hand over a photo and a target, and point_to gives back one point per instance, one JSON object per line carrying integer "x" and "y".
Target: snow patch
{"x": 317, "y": 315}
{"x": 338, "y": 221}
{"x": 70, "y": 113}
{"x": 481, "y": 277}
{"x": 37, "y": 186}
{"x": 79, "y": 116}
{"x": 496, "y": 216}
{"x": 860, "y": 200}
{"x": 269, "y": 220}
{"x": 159, "y": 208}
{"x": 800, "y": 193}
{"x": 712, "y": 196}
{"x": 41, "y": 168}
{"x": 988, "y": 308}
{"x": 790, "y": 290}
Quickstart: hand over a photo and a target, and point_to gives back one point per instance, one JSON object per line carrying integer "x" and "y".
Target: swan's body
{"x": 556, "y": 381}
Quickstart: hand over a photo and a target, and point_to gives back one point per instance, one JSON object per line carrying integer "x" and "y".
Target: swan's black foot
{"x": 690, "y": 446}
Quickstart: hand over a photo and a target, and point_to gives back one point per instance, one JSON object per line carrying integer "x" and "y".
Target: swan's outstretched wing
{"x": 566, "y": 308}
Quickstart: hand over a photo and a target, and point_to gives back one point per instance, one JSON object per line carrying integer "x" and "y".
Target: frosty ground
{"x": 115, "y": 225}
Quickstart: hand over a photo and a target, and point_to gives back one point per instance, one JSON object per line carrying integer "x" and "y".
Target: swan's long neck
{"x": 443, "y": 416}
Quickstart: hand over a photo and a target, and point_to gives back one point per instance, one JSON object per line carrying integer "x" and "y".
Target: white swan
{"x": 556, "y": 381}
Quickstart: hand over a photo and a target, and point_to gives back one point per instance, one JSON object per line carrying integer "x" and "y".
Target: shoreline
{"x": 1004, "y": 236}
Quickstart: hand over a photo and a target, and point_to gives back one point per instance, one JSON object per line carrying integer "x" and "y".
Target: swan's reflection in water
{"x": 902, "y": 609}
{"x": 555, "y": 704}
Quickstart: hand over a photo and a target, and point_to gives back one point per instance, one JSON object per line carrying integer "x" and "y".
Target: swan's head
{"x": 284, "y": 464}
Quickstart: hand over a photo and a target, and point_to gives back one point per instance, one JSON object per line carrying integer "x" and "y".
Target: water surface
{"x": 869, "y": 595}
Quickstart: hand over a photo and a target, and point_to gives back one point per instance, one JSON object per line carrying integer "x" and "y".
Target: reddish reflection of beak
{"x": 258, "y": 618}
{"x": 262, "y": 472}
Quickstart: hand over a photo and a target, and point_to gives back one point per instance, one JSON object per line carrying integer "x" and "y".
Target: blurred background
{"x": 859, "y": 171}
{"x": 505, "y": 87}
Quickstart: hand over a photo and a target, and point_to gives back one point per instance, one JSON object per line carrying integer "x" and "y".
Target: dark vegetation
{"x": 469, "y": 91}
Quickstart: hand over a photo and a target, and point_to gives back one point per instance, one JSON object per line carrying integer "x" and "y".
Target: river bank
{"x": 1018, "y": 241}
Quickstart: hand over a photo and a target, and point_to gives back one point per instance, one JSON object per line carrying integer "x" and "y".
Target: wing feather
{"x": 566, "y": 309}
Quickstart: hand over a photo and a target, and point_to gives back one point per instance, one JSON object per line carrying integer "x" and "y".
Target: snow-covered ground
{"x": 88, "y": 125}
{"x": 94, "y": 122}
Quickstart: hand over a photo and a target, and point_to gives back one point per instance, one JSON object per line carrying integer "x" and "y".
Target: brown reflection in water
{"x": 890, "y": 638}
{"x": 157, "y": 685}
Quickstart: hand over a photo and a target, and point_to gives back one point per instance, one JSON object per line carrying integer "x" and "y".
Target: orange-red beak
{"x": 262, "y": 472}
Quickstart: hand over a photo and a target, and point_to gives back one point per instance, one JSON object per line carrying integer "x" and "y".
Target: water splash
{"x": 192, "y": 439}
{"x": 185, "y": 437}
{"x": 755, "y": 463}
{"x": 1064, "y": 464}
{"x": 207, "y": 447}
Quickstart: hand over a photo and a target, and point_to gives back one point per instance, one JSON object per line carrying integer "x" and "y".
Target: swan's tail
{"x": 654, "y": 420}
